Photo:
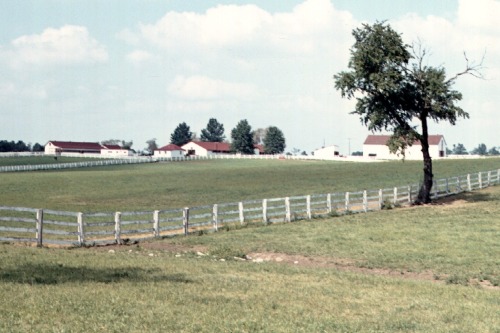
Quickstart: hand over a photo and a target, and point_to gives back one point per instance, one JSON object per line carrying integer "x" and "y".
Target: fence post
{"x": 118, "y": 228}
{"x": 489, "y": 178}
{"x": 469, "y": 185}
{"x": 365, "y": 201}
{"x": 329, "y": 203}
{"x": 447, "y": 186}
{"x": 380, "y": 198}
{"x": 39, "y": 227}
{"x": 395, "y": 196}
{"x": 288, "y": 214}
{"x": 346, "y": 201}
{"x": 156, "y": 223}
{"x": 308, "y": 207}
{"x": 81, "y": 230}
{"x": 185, "y": 220}
{"x": 264, "y": 211}
{"x": 242, "y": 217}
{"x": 215, "y": 217}
{"x": 479, "y": 179}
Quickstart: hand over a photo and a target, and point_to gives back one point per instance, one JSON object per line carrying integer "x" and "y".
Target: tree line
{"x": 243, "y": 138}
{"x": 481, "y": 149}
{"x": 19, "y": 146}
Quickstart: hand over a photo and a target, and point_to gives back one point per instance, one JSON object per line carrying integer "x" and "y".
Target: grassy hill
{"x": 193, "y": 183}
{"x": 431, "y": 268}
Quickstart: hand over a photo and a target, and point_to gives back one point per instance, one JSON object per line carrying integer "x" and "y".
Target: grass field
{"x": 193, "y": 183}
{"x": 431, "y": 268}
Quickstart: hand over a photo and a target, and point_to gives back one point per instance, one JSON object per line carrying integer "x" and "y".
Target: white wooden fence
{"x": 44, "y": 226}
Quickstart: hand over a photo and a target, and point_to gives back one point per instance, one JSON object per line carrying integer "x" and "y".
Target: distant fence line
{"x": 44, "y": 226}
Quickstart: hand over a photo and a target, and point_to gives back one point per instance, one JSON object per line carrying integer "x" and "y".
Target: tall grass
{"x": 150, "y": 288}
{"x": 174, "y": 185}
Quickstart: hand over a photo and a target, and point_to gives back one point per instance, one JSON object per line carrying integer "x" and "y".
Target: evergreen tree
{"x": 274, "y": 141}
{"x": 181, "y": 135}
{"x": 214, "y": 132}
{"x": 242, "y": 140}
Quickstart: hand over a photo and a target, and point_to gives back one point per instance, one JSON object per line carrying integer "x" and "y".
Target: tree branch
{"x": 471, "y": 68}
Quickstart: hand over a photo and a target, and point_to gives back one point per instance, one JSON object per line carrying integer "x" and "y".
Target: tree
{"x": 493, "y": 151}
{"x": 242, "y": 141}
{"x": 459, "y": 149}
{"x": 394, "y": 90}
{"x": 258, "y": 135}
{"x": 480, "y": 150}
{"x": 181, "y": 135}
{"x": 151, "y": 146}
{"x": 214, "y": 132}
{"x": 37, "y": 147}
{"x": 122, "y": 143}
{"x": 274, "y": 141}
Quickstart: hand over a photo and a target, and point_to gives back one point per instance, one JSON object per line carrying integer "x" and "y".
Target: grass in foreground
{"x": 194, "y": 183}
{"x": 149, "y": 288}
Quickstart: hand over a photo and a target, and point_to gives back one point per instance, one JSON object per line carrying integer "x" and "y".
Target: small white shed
{"x": 169, "y": 150}
{"x": 327, "y": 152}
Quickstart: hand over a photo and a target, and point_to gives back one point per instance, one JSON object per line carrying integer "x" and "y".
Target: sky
{"x": 93, "y": 70}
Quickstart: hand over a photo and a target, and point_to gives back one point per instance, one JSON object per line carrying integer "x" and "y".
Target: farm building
{"x": 327, "y": 152}
{"x": 60, "y": 147}
{"x": 169, "y": 150}
{"x": 202, "y": 148}
{"x": 375, "y": 146}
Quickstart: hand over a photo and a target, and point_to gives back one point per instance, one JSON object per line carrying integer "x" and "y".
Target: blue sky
{"x": 91, "y": 70}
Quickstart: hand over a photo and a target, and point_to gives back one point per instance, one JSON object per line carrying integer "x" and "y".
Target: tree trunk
{"x": 424, "y": 194}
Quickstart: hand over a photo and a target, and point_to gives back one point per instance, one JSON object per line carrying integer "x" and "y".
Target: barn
{"x": 202, "y": 148}
{"x": 82, "y": 148}
{"x": 375, "y": 146}
{"x": 169, "y": 150}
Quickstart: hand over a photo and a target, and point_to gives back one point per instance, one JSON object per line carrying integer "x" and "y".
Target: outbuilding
{"x": 375, "y": 146}
{"x": 169, "y": 150}
{"x": 326, "y": 153}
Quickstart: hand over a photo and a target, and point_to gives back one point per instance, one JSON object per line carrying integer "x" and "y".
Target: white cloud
{"x": 67, "y": 45}
{"x": 205, "y": 88}
{"x": 249, "y": 27}
{"x": 139, "y": 56}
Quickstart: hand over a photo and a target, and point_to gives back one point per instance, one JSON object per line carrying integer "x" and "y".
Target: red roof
{"x": 170, "y": 147}
{"x": 214, "y": 146}
{"x": 382, "y": 140}
{"x": 77, "y": 145}
{"x": 112, "y": 147}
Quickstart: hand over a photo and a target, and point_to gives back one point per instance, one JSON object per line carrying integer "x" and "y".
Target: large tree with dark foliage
{"x": 274, "y": 141}
{"x": 181, "y": 135}
{"x": 242, "y": 140}
{"x": 214, "y": 131}
{"x": 395, "y": 90}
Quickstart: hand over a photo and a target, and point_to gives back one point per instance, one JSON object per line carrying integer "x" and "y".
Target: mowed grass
{"x": 193, "y": 183}
{"x": 164, "y": 286}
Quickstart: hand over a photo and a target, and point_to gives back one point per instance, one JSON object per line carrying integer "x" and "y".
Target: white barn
{"x": 169, "y": 150}
{"x": 327, "y": 152}
{"x": 202, "y": 148}
{"x": 375, "y": 146}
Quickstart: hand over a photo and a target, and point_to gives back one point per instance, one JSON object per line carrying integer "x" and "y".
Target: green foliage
{"x": 393, "y": 88}
{"x": 242, "y": 139}
{"x": 480, "y": 150}
{"x": 459, "y": 149}
{"x": 181, "y": 135}
{"x": 274, "y": 141}
{"x": 214, "y": 132}
{"x": 151, "y": 146}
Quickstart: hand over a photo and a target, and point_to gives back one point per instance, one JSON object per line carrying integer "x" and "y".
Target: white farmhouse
{"x": 169, "y": 150}
{"x": 326, "y": 153}
{"x": 375, "y": 146}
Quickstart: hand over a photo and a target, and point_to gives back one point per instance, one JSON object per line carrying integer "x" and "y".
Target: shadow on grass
{"x": 50, "y": 274}
{"x": 467, "y": 197}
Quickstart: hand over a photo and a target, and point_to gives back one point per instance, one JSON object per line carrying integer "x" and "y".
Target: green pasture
{"x": 180, "y": 184}
{"x": 431, "y": 268}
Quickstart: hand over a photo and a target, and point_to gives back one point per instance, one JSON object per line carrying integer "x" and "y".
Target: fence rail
{"x": 20, "y": 224}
